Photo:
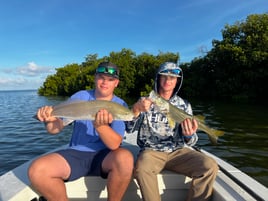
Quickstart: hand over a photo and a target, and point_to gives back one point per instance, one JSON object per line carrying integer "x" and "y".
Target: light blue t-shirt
{"x": 84, "y": 136}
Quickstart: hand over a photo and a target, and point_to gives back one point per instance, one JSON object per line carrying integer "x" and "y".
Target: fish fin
{"x": 171, "y": 122}
{"x": 200, "y": 118}
{"x": 214, "y": 134}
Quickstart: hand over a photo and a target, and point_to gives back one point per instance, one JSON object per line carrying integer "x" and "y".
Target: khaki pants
{"x": 201, "y": 168}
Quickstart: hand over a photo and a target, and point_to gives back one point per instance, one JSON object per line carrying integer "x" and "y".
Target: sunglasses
{"x": 107, "y": 70}
{"x": 172, "y": 71}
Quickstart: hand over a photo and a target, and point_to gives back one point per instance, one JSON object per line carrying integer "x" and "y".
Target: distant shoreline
{"x": 12, "y": 90}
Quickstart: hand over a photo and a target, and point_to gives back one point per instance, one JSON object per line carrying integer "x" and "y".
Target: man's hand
{"x": 189, "y": 127}
{"x": 103, "y": 117}
{"x": 44, "y": 114}
{"x": 142, "y": 105}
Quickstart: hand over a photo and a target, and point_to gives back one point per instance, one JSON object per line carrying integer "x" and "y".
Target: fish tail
{"x": 218, "y": 133}
{"x": 213, "y": 139}
{"x": 213, "y": 135}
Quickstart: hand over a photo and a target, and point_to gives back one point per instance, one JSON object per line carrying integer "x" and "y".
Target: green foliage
{"x": 235, "y": 68}
{"x": 137, "y": 73}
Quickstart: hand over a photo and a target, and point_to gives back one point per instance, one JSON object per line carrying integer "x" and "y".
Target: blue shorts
{"x": 84, "y": 163}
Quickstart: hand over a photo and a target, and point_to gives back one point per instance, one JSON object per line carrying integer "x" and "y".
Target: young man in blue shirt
{"x": 94, "y": 148}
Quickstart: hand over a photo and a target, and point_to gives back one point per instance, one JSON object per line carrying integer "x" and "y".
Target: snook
{"x": 86, "y": 110}
{"x": 175, "y": 114}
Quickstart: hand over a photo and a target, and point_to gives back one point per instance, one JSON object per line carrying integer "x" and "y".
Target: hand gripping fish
{"x": 175, "y": 114}
{"x": 86, "y": 110}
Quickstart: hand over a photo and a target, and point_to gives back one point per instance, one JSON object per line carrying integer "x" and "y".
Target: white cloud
{"x": 32, "y": 69}
{"x": 20, "y": 83}
{"x": 30, "y": 76}
{"x": 11, "y": 81}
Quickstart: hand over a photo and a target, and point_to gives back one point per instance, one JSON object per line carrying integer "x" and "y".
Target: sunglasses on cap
{"x": 171, "y": 71}
{"x": 107, "y": 70}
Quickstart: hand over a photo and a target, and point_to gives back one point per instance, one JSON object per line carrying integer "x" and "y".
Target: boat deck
{"x": 14, "y": 185}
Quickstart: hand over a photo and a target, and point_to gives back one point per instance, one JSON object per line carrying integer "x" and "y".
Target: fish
{"x": 86, "y": 110}
{"x": 175, "y": 114}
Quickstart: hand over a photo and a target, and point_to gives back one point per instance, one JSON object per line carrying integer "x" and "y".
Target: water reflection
{"x": 244, "y": 143}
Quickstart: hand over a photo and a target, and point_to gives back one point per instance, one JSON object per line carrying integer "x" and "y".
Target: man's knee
{"x": 30, "y": 172}
{"x": 124, "y": 160}
{"x": 124, "y": 156}
{"x": 143, "y": 169}
{"x": 214, "y": 167}
{"x": 34, "y": 172}
{"x": 211, "y": 166}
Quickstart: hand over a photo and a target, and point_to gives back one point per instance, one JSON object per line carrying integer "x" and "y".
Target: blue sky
{"x": 38, "y": 36}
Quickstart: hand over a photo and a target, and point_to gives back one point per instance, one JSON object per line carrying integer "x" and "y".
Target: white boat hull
{"x": 15, "y": 186}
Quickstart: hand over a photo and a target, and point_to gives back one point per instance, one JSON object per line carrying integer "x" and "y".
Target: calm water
{"x": 244, "y": 144}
